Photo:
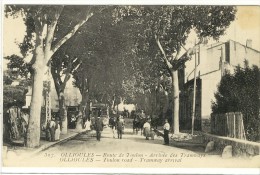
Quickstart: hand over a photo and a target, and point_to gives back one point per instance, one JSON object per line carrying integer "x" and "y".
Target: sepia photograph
{"x": 99, "y": 86}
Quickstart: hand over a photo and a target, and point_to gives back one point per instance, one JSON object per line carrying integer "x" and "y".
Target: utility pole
{"x": 221, "y": 62}
{"x": 194, "y": 95}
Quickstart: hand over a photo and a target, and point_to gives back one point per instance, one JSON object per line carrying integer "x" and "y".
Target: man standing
{"x": 98, "y": 127}
{"x": 120, "y": 126}
{"x": 112, "y": 124}
{"x": 166, "y": 128}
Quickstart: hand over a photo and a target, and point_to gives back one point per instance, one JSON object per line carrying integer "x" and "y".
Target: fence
{"x": 228, "y": 125}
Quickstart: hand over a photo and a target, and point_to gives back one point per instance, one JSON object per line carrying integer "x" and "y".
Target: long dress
{"x": 87, "y": 124}
{"x": 52, "y": 130}
{"x": 79, "y": 123}
{"x": 57, "y": 132}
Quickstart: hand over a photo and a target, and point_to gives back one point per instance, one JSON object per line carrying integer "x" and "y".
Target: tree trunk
{"x": 175, "y": 90}
{"x": 34, "y": 129}
{"x": 63, "y": 113}
{"x": 85, "y": 105}
{"x": 113, "y": 105}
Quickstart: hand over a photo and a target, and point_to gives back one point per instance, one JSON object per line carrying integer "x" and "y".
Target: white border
{"x": 13, "y": 170}
{"x": 242, "y": 171}
{"x": 137, "y": 2}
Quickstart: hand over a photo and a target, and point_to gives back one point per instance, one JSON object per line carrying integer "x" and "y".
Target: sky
{"x": 246, "y": 26}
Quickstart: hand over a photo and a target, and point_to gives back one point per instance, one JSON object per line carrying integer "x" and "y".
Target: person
{"x": 120, "y": 127}
{"x": 136, "y": 123}
{"x": 48, "y": 131}
{"x": 87, "y": 125}
{"x": 51, "y": 127}
{"x": 57, "y": 131}
{"x": 98, "y": 127}
{"x": 142, "y": 114}
{"x": 92, "y": 123}
{"x": 166, "y": 128}
{"x": 112, "y": 124}
{"x": 79, "y": 121}
{"x": 147, "y": 128}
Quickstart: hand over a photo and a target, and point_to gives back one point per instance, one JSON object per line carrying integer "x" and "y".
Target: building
{"x": 212, "y": 63}
{"x": 71, "y": 94}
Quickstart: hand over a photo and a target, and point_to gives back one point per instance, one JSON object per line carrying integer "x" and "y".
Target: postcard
{"x": 130, "y": 87}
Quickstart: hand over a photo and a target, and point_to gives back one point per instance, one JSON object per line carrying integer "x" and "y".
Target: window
{"x": 227, "y": 53}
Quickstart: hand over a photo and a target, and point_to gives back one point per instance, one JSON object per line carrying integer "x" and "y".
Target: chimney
{"x": 249, "y": 43}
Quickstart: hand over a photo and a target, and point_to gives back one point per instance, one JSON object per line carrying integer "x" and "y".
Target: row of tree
{"x": 112, "y": 51}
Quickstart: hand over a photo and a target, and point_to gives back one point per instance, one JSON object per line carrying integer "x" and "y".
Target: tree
{"x": 62, "y": 66}
{"x": 17, "y": 68}
{"x": 48, "y": 28}
{"x": 168, "y": 27}
{"x": 13, "y": 94}
{"x": 102, "y": 71}
{"x": 240, "y": 92}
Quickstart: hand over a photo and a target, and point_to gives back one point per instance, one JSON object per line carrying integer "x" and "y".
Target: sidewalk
{"x": 23, "y": 152}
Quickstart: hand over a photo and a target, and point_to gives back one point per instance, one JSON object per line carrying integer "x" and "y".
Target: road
{"x": 133, "y": 151}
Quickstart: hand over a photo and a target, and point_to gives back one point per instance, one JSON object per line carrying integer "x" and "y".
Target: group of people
{"x": 115, "y": 123}
{"x": 149, "y": 133}
{"x": 146, "y": 127}
{"x": 15, "y": 122}
{"x": 52, "y": 130}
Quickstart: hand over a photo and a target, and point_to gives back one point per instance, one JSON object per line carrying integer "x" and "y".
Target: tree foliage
{"x": 172, "y": 24}
{"x": 162, "y": 32}
{"x": 18, "y": 67}
{"x": 48, "y": 27}
{"x": 104, "y": 51}
{"x": 13, "y": 95}
{"x": 240, "y": 92}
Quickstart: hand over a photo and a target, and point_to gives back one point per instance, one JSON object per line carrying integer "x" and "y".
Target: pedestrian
{"x": 52, "y": 130}
{"x": 120, "y": 126}
{"x": 79, "y": 121}
{"x": 87, "y": 125}
{"x": 112, "y": 124}
{"x": 98, "y": 127}
{"x": 48, "y": 131}
{"x": 142, "y": 114}
{"x": 92, "y": 123}
{"x": 166, "y": 128}
{"x": 57, "y": 131}
{"x": 147, "y": 128}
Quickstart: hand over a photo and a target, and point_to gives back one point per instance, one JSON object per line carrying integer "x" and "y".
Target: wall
{"x": 71, "y": 93}
{"x": 240, "y": 147}
{"x": 239, "y": 52}
{"x": 208, "y": 69}
{"x": 209, "y": 87}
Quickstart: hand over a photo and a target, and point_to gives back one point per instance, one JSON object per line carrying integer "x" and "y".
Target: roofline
{"x": 244, "y": 45}
{"x": 221, "y": 43}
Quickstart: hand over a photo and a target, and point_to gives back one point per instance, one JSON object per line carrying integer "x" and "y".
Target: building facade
{"x": 212, "y": 63}
{"x": 72, "y": 96}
